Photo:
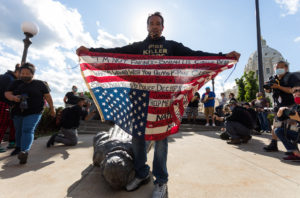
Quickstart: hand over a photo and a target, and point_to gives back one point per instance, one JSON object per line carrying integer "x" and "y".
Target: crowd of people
{"x": 22, "y": 101}
{"x": 243, "y": 119}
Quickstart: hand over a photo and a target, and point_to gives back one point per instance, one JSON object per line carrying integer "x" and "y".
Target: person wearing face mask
{"x": 154, "y": 44}
{"x": 238, "y": 123}
{"x": 290, "y": 138}
{"x": 70, "y": 98}
{"x": 282, "y": 95}
{"x": 28, "y": 95}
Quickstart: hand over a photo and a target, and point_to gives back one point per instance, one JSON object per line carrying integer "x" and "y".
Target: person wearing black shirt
{"x": 282, "y": 95}
{"x": 70, "y": 98}
{"x": 154, "y": 44}
{"x": 28, "y": 95}
{"x": 238, "y": 124}
{"x": 192, "y": 109}
{"x": 70, "y": 121}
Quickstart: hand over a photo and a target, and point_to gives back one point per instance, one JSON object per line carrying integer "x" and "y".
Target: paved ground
{"x": 200, "y": 165}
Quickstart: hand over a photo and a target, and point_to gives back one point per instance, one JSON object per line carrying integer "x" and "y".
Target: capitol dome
{"x": 270, "y": 57}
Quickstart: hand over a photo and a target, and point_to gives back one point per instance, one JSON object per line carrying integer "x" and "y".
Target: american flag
{"x": 146, "y": 95}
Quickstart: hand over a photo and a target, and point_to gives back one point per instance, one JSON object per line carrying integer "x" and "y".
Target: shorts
{"x": 192, "y": 111}
{"x": 208, "y": 111}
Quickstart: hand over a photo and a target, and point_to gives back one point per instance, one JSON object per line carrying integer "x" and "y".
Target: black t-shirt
{"x": 285, "y": 99}
{"x": 71, "y": 98}
{"x": 33, "y": 91}
{"x": 195, "y": 103}
{"x": 71, "y": 117}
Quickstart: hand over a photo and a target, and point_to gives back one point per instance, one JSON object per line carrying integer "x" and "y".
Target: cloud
{"x": 290, "y": 6}
{"x": 297, "y": 39}
{"x": 53, "y": 49}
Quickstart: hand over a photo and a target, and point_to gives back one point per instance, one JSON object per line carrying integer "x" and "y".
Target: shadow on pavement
{"x": 92, "y": 185}
{"x": 37, "y": 159}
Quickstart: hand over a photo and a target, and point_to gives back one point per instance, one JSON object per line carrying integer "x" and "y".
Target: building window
{"x": 268, "y": 70}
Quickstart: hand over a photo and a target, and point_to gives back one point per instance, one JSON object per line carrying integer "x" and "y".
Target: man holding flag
{"x": 154, "y": 44}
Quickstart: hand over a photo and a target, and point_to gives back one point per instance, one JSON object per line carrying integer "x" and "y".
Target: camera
{"x": 289, "y": 112}
{"x": 23, "y": 103}
{"x": 273, "y": 80}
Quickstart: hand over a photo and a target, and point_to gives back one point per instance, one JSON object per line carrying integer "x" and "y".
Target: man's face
{"x": 207, "y": 90}
{"x": 281, "y": 66}
{"x": 155, "y": 27}
{"x": 26, "y": 73}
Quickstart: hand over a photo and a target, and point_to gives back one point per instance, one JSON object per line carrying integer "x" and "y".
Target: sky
{"x": 211, "y": 26}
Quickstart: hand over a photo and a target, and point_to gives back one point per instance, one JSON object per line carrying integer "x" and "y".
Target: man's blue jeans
{"x": 287, "y": 138}
{"x": 25, "y": 127}
{"x": 263, "y": 121}
{"x": 159, "y": 162}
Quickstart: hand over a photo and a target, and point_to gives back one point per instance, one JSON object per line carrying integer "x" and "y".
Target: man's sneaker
{"x": 207, "y": 124}
{"x": 16, "y": 151}
{"x": 51, "y": 140}
{"x": 23, "y": 157}
{"x": 213, "y": 125}
{"x": 234, "y": 141}
{"x": 160, "y": 191}
{"x": 11, "y": 145}
{"x": 272, "y": 147}
{"x": 137, "y": 182}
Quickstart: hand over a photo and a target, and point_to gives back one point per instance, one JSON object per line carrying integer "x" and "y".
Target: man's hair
{"x": 222, "y": 94}
{"x": 79, "y": 99}
{"x": 156, "y": 14}
{"x": 232, "y": 94}
{"x": 29, "y": 66}
{"x": 17, "y": 67}
{"x": 286, "y": 64}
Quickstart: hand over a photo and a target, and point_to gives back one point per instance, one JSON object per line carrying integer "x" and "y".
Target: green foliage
{"x": 247, "y": 87}
{"x": 87, "y": 94}
{"x": 241, "y": 88}
{"x": 47, "y": 123}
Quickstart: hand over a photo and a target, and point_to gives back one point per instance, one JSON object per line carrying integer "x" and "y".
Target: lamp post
{"x": 30, "y": 29}
{"x": 259, "y": 51}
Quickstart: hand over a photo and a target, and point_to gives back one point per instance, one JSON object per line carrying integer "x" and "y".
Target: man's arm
{"x": 9, "y": 95}
{"x": 127, "y": 49}
{"x": 284, "y": 89}
{"x": 48, "y": 98}
{"x": 181, "y": 50}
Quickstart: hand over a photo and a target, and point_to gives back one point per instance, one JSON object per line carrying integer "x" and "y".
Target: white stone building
{"x": 270, "y": 57}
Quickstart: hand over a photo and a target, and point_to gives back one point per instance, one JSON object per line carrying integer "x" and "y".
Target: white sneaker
{"x": 137, "y": 182}
{"x": 213, "y": 125}
{"x": 160, "y": 191}
{"x": 207, "y": 124}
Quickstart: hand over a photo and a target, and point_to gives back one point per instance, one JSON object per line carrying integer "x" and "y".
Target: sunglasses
{"x": 296, "y": 90}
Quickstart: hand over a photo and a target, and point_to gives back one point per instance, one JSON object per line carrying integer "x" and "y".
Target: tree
{"x": 247, "y": 87}
{"x": 241, "y": 88}
{"x": 251, "y": 86}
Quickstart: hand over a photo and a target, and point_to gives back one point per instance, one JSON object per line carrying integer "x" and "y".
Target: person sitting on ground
{"x": 70, "y": 121}
{"x": 192, "y": 109}
{"x": 259, "y": 104}
{"x": 208, "y": 98}
{"x": 71, "y": 97}
{"x": 290, "y": 138}
{"x": 238, "y": 124}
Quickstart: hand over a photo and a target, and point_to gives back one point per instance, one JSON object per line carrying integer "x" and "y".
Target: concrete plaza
{"x": 199, "y": 164}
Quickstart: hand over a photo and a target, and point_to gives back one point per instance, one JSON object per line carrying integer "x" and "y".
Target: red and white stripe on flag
{"x": 147, "y": 95}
